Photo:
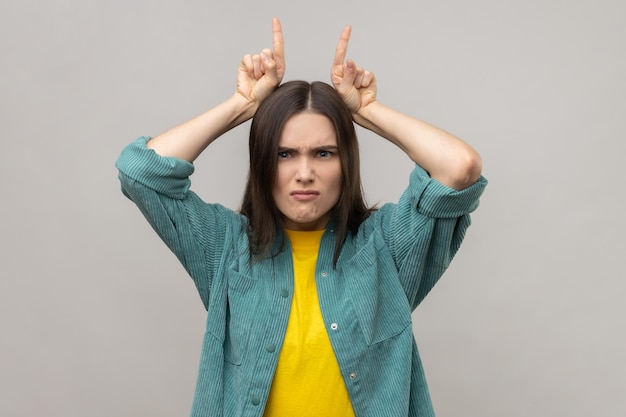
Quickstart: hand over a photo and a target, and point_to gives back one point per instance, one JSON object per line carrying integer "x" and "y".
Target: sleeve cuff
{"x": 436, "y": 200}
{"x": 165, "y": 175}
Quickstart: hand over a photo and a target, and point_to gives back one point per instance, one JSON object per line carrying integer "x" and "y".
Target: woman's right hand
{"x": 257, "y": 77}
{"x": 260, "y": 74}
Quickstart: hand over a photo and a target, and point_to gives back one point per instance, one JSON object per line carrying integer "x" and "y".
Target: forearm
{"x": 445, "y": 157}
{"x": 187, "y": 140}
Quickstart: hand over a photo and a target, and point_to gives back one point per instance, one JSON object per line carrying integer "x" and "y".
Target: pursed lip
{"x": 304, "y": 194}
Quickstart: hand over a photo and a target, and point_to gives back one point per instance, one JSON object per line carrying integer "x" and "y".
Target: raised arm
{"x": 445, "y": 157}
{"x": 257, "y": 77}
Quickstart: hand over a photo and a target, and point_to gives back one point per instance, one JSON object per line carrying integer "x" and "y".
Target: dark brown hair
{"x": 265, "y": 220}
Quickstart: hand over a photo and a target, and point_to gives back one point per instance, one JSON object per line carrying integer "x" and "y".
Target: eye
{"x": 283, "y": 155}
{"x": 324, "y": 154}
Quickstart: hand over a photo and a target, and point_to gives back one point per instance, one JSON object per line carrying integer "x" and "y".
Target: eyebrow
{"x": 317, "y": 148}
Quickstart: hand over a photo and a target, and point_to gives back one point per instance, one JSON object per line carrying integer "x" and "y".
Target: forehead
{"x": 307, "y": 129}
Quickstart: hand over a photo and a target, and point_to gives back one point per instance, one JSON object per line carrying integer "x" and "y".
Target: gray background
{"x": 97, "y": 318}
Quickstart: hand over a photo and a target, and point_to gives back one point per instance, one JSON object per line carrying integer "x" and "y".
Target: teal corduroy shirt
{"x": 383, "y": 272}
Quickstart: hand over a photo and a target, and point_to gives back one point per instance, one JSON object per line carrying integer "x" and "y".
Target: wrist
{"x": 368, "y": 112}
{"x": 242, "y": 108}
{"x": 366, "y": 116}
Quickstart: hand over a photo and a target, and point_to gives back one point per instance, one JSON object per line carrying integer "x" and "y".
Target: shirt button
{"x": 332, "y": 230}
{"x": 333, "y": 326}
{"x": 255, "y": 400}
{"x": 284, "y": 293}
{"x": 352, "y": 375}
{"x": 271, "y": 348}
{"x": 324, "y": 273}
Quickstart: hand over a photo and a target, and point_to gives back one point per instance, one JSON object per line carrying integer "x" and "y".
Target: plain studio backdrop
{"x": 97, "y": 318}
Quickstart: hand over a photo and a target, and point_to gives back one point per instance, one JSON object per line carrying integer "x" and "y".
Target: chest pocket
{"x": 242, "y": 302}
{"x": 381, "y": 305}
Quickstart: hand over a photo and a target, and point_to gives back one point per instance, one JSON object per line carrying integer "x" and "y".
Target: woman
{"x": 309, "y": 293}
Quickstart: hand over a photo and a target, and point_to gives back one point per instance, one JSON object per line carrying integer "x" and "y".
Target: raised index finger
{"x": 342, "y": 46}
{"x": 279, "y": 43}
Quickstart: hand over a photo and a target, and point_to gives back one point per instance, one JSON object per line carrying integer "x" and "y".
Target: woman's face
{"x": 308, "y": 174}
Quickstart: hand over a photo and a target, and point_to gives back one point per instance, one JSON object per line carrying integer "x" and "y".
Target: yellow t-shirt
{"x": 307, "y": 381}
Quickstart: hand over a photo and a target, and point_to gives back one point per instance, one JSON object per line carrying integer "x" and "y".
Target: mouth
{"x": 304, "y": 195}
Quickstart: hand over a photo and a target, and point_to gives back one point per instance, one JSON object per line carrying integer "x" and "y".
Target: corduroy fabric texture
{"x": 383, "y": 273}
{"x": 307, "y": 381}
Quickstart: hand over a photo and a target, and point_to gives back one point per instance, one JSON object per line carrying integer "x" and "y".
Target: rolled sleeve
{"x": 424, "y": 230}
{"x": 166, "y": 175}
{"x": 436, "y": 200}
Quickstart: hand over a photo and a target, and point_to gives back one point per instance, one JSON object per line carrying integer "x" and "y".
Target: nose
{"x": 304, "y": 171}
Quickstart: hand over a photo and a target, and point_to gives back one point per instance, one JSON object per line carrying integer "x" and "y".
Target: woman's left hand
{"x": 355, "y": 85}
{"x": 260, "y": 74}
